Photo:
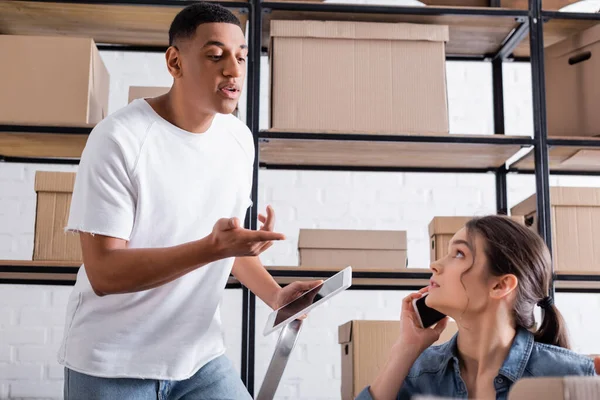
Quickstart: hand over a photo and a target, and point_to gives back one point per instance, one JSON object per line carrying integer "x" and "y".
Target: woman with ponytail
{"x": 495, "y": 274}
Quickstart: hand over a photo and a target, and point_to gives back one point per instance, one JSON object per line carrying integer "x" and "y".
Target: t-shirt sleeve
{"x": 104, "y": 196}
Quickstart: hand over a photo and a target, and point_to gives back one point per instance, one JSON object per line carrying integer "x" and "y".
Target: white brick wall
{"x": 31, "y": 316}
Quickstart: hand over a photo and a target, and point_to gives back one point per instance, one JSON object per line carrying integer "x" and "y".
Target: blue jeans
{"x": 217, "y": 380}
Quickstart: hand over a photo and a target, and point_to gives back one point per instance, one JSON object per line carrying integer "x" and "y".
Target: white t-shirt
{"x": 145, "y": 180}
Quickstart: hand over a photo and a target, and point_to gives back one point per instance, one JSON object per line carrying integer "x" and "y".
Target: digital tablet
{"x": 309, "y": 300}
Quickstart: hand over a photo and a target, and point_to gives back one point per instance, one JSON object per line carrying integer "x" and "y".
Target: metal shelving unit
{"x": 491, "y": 34}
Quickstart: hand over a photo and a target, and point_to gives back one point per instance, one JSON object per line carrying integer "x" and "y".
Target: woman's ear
{"x": 503, "y": 286}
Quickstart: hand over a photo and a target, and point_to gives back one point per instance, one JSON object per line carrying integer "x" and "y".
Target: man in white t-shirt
{"x": 160, "y": 192}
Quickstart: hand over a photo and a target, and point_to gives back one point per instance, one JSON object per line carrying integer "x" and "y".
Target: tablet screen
{"x": 310, "y": 297}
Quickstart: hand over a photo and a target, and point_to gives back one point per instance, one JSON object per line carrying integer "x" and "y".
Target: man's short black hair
{"x": 185, "y": 23}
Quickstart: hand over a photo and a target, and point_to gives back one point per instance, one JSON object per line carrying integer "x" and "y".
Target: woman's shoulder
{"x": 548, "y": 360}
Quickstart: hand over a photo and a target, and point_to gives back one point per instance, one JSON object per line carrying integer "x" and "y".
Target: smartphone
{"x": 426, "y": 315}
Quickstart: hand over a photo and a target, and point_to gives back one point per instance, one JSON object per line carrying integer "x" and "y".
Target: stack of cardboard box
{"x": 57, "y": 81}
{"x": 365, "y": 347}
{"x": 573, "y": 85}
{"x": 62, "y": 82}
{"x": 575, "y": 227}
{"x": 337, "y": 249}
{"x": 573, "y": 94}
{"x": 51, "y": 242}
{"x": 358, "y": 77}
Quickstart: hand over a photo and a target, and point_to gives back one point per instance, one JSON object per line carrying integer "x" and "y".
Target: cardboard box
{"x": 442, "y": 229}
{"x": 143, "y": 92}
{"x": 52, "y": 243}
{"x": 365, "y": 349}
{"x": 56, "y": 81}
{"x": 353, "y": 77}
{"x": 573, "y": 85}
{"x": 563, "y": 388}
{"x": 575, "y": 226}
{"x": 337, "y": 248}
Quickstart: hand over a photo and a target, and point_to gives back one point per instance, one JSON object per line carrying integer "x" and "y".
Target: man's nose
{"x": 233, "y": 68}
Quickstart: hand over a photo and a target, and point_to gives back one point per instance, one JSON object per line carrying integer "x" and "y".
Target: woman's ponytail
{"x": 553, "y": 329}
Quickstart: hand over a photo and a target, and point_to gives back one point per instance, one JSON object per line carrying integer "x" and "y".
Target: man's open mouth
{"x": 230, "y": 91}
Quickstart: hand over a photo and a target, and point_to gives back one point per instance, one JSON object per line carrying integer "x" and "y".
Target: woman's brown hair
{"x": 512, "y": 248}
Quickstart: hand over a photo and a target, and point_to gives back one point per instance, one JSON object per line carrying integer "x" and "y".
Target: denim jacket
{"x": 437, "y": 372}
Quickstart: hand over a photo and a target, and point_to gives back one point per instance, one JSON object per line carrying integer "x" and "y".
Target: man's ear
{"x": 503, "y": 286}
{"x": 173, "y": 57}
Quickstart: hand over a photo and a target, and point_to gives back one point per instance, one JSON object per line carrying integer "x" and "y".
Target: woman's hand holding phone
{"x": 412, "y": 342}
{"x": 412, "y": 336}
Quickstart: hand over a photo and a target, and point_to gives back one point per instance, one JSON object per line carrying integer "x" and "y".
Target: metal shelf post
{"x": 540, "y": 139}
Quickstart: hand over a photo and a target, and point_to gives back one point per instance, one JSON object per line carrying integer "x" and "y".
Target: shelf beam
{"x": 400, "y": 138}
{"x": 513, "y": 41}
{"x": 570, "y": 16}
{"x": 132, "y": 48}
{"x": 490, "y": 150}
{"x": 390, "y": 153}
{"x": 366, "y": 168}
{"x": 567, "y": 156}
{"x": 20, "y": 146}
{"x": 64, "y": 273}
{"x": 592, "y": 142}
{"x": 558, "y": 26}
{"x": 558, "y": 172}
{"x": 34, "y": 160}
{"x": 142, "y": 3}
{"x": 63, "y": 130}
{"x": 138, "y": 23}
{"x": 390, "y": 9}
